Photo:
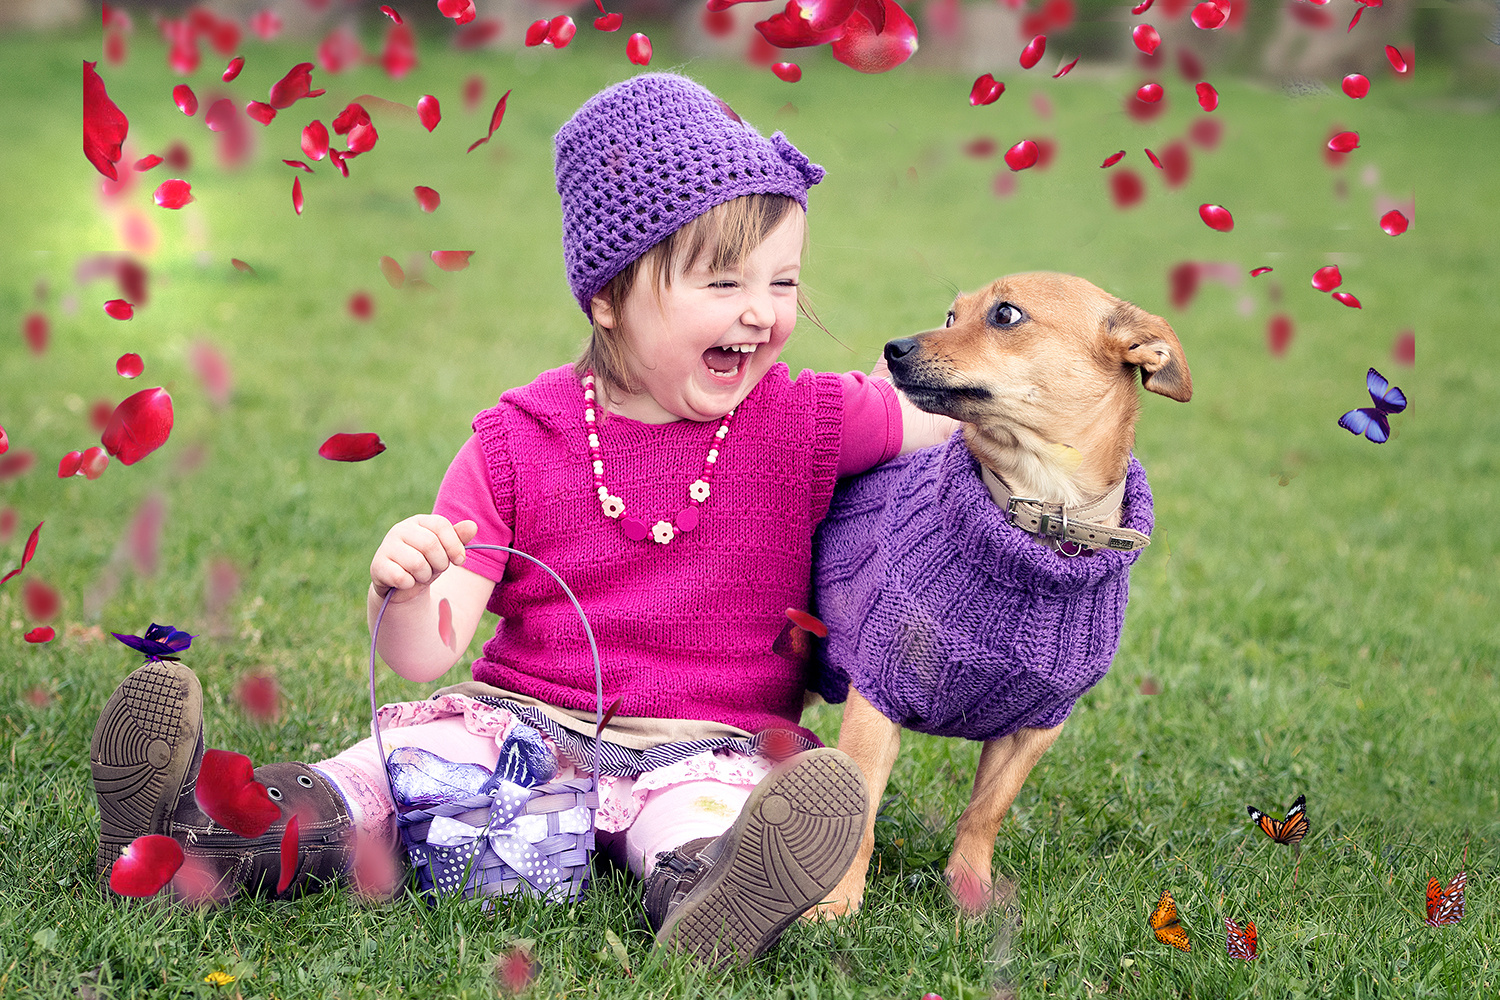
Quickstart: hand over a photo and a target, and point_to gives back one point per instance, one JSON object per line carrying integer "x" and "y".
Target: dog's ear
{"x": 1146, "y": 341}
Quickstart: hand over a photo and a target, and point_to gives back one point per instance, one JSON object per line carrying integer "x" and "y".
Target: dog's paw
{"x": 837, "y": 904}
{"x": 975, "y": 895}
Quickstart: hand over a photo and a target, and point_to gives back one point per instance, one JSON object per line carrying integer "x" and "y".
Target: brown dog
{"x": 1040, "y": 370}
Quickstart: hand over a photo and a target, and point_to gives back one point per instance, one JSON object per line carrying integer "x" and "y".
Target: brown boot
{"x": 728, "y": 899}
{"x": 145, "y": 756}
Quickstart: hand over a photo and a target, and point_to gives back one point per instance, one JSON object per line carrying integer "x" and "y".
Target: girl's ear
{"x": 603, "y": 308}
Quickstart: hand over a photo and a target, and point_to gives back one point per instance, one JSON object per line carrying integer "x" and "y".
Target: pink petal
{"x": 609, "y": 22}
{"x": 473, "y": 92}
{"x": 42, "y": 633}
{"x": 95, "y": 461}
{"x": 119, "y": 309}
{"x": 4, "y": 447}
{"x": 315, "y": 140}
{"x": 1404, "y": 349}
{"x": 496, "y": 117}
{"x": 1279, "y": 334}
{"x": 361, "y": 306}
{"x": 560, "y": 31}
{"x": 1209, "y": 16}
{"x": 213, "y": 371}
{"x": 536, "y": 32}
{"x": 8, "y": 515}
{"x": 1206, "y": 132}
{"x": 1126, "y": 188}
{"x": 140, "y": 425}
{"x": 260, "y": 697}
{"x": 1394, "y": 223}
{"x": 299, "y": 165}
{"x": 290, "y": 841}
{"x": 1356, "y": 85}
{"x": 429, "y": 112}
{"x": 297, "y": 195}
{"x": 240, "y": 265}
{"x": 68, "y": 467}
{"x": 17, "y": 463}
{"x": 1216, "y": 217}
{"x": 42, "y": 601}
{"x": 1347, "y": 299}
{"x": 1065, "y": 70}
{"x": 986, "y": 90}
{"x": 1176, "y": 162}
{"x": 460, "y": 11}
{"x": 980, "y": 147}
{"x": 1259, "y": 271}
{"x": 515, "y": 970}
{"x": 145, "y": 866}
{"x": 394, "y": 276}
{"x": 260, "y": 111}
{"x": 790, "y": 72}
{"x": 229, "y": 794}
{"x": 399, "y": 56}
{"x": 803, "y": 620}
{"x": 143, "y": 536}
{"x": 1397, "y": 60}
{"x": 1022, "y": 155}
{"x": 1326, "y": 279}
{"x": 1033, "y": 52}
{"x": 36, "y": 330}
{"x": 1208, "y": 97}
{"x": 1150, "y": 93}
{"x": 129, "y": 365}
{"x": 220, "y": 115}
{"x": 266, "y": 24}
{"x": 1344, "y": 142}
{"x": 452, "y": 260}
{"x": 427, "y": 198}
{"x": 1112, "y": 160}
{"x": 1189, "y": 65}
{"x": 875, "y": 49}
{"x": 1154, "y": 161}
{"x": 445, "y": 623}
{"x": 30, "y": 549}
{"x": 233, "y": 69}
{"x": 173, "y": 194}
{"x": 185, "y": 99}
{"x": 351, "y": 447}
{"x": 145, "y": 163}
{"x": 638, "y": 49}
{"x": 1146, "y": 38}
{"x": 390, "y": 12}
{"x": 104, "y": 125}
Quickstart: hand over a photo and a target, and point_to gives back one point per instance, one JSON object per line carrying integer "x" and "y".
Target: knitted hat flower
{"x": 644, "y": 157}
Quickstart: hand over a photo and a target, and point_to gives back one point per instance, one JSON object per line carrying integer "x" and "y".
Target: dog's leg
{"x": 873, "y": 741}
{"x": 1003, "y": 767}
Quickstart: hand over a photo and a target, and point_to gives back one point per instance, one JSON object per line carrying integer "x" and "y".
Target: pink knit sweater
{"x": 685, "y": 630}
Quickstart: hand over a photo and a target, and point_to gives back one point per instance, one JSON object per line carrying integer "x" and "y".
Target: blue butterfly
{"x": 1371, "y": 420}
{"x": 161, "y": 642}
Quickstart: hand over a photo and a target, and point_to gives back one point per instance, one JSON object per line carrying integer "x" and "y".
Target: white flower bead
{"x": 613, "y": 505}
{"x": 722, "y": 432}
{"x": 603, "y": 492}
{"x": 662, "y": 532}
{"x": 588, "y": 414}
{"x": 699, "y": 491}
{"x": 598, "y": 467}
{"x": 713, "y": 454}
{"x": 593, "y": 440}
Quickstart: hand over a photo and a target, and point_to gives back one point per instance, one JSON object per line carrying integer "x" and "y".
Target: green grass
{"x": 1334, "y": 635}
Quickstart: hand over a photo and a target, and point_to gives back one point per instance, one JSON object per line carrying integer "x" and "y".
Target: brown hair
{"x": 721, "y": 238}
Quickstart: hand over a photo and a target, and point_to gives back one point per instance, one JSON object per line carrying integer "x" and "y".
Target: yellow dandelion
{"x": 218, "y": 979}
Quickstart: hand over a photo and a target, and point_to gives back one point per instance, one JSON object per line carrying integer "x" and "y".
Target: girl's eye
{"x": 1006, "y": 314}
{"x": 951, "y": 318}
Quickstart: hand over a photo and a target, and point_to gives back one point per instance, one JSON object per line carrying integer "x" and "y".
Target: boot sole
{"x": 142, "y": 749}
{"x": 794, "y": 840}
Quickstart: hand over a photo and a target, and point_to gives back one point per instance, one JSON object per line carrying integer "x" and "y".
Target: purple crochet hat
{"x": 644, "y": 157}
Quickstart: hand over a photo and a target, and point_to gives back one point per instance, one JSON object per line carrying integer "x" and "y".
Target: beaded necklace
{"x": 635, "y": 528}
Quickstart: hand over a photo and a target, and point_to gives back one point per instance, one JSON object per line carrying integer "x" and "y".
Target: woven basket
{"x": 534, "y": 841}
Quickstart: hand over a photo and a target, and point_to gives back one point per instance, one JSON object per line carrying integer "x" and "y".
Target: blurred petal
{"x": 452, "y": 260}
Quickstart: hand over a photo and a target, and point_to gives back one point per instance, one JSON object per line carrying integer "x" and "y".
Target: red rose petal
{"x": 1126, "y": 188}
{"x": 1189, "y": 65}
{"x": 986, "y": 90}
{"x": 609, "y": 22}
{"x": 1176, "y": 163}
{"x": 429, "y": 112}
{"x": 496, "y": 117}
{"x": 240, "y": 265}
{"x": 95, "y": 461}
{"x": 515, "y": 970}
{"x": 560, "y": 31}
{"x": 230, "y": 796}
{"x": 427, "y": 198}
{"x": 1279, "y": 334}
{"x": 100, "y": 413}
{"x": 1112, "y": 160}
{"x": 452, "y": 260}
{"x": 351, "y": 447}
{"x": 787, "y": 71}
{"x": 1022, "y": 155}
{"x": 361, "y": 139}
{"x": 42, "y": 601}
{"x": 1033, "y": 52}
{"x": 185, "y": 99}
{"x": 140, "y": 425}
{"x": 980, "y": 147}
{"x": 297, "y": 195}
{"x": 638, "y": 49}
{"x": 1150, "y": 93}
{"x": 1344, "y": 142}
{"x": 260, "y": 697}
{"x": 1183, "y": 281}
{"x": 1154, "y": 161}
{"x": 4, "y": 447}
{"x": 361, "y": 306}
{"x": 299, "y": 165}
{"x": 1206, "y": 132}
{"x": 291, "y": 88}
{"x": 792, "y": 28}
{"x": 1394, "y": 223}
{"x": 399, "y": 56}
{"x": 1146, "y": 38}
{"x": 260, "y": 111}
{"x": 104, "y": 125}
{"x": 42, "y": 633}
{"x": 1065, "y": 70}
{"x": 233, "y": 69}
{"x": 290, "y": 841}
{"x": 30, "y": 549}
{"x": 315, "y": 140}
{"x": 173, "y": 194}
{"x": 7, "y": 516}
{"x": 536, "y": 32}
{"x": 69, "y": 465}
{"x": 119, "y": 309}
{"x": 806, "y": 621}
{"x": 1209, "y": 16}
{"x": 390, "y": 12}
{"x": 1397, "y": 60}
{"x": 1142, "y": 7}
{"x": 1326, "y": 279}
{"x": 220, "y": 115}
{"x": 1356, "y": 85}
{"x": 145, "y": 866}
{"x": 129, "y": 365}
{"x": 392, "y": 271}
{"x": 36, "y": 330}
{"x": 1404, "y": 349}
{"x": 1208, "y": 97}
{"x": 1216, "y": 217}
{"x": 17, "y": 463}
{"x": 145, "y": 163}
{"x": 1347, "y": 299}
{"x": 878, "y": 36}
{"x": 266, "y": 24}
{"x": 1259, "y": 271}
{"x": 445, "y": 623}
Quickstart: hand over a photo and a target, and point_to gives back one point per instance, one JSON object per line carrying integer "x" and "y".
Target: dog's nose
{"x": 897, "y": 349}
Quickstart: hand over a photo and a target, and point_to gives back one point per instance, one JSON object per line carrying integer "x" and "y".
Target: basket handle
{"x": 593, "y": 649}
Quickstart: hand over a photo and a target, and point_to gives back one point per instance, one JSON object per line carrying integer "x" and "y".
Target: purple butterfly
{"x": 160, "y": 642}
{"x": 1371, "y": 420}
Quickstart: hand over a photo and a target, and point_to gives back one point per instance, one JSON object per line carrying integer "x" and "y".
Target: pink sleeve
{"x": 872, "y": 423}
{"x": 465, "y": 496}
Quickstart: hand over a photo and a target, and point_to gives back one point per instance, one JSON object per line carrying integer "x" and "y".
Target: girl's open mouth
{"x": 724, "y": 362}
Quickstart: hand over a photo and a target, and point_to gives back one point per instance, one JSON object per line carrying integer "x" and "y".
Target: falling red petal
{"x": 806, "y": 621}
{"x": 1146, "y": 38}
{"x": 1404, "y": 349}
{"x": 792, "y": 29}
{"x": 361, "y": 306}
{"x": 638, "y": 49}
{"x": 1347, "y": 299}
{"x": 1279, "y": 334}
{"x": 233, "y": 69}
{"x": 42, "y": 601}
{"x": 173, "y": 194}
{"x": 1216, "y": 217}
{"x": 17, "y": 463}
{"x": 1344, "y": 142}
{"x": 1150, "y": 93}
{"x": 104, "y": 125}
{"x": 69, "y": 465}
{"x": 290, "y": 841}
{"x": 129, "y": 365}
{"x": 986, "y": 90}
{"x": 560, "y": 31}
{"x": 354, "y": 114}
{"x": 220, "y": 115}
{"x": 229, "y": 794}
{"x": 1206, "y": 132}
{"x": 1208, "y": 97}
{"x": 291, "y": 88}
{"x": 429, "y": 112}
{"x": 787, "y": 71}
{"x": 361, "y": 139}
{"x": 119, "y": 309}
{"x": 95, "y": 461}
{"x": 1112, "y": 160}
{"x": 315, "y": 140}
{"x": 1142, "y": 7}
{"x": 1033, "y": 52}
{"x": 1259, "y": 271}
{"x": 391, "y": 13}
{"x": 351, "y": 447}
{"x": 1396, "y": 59}
{"x": 297, "y": 195}
{"x": 299, "y": 165}
{"x": 1183, "y": 282}
{"x": 36, "y": 330}
{"x": 261, "y": 112}
{"x": 394, "y": 276}
{"x": 514, "y": 971}
{"x": 496, "y": 117}
{"x": 399, "y": 56}
{"x": 1209, "y": 16}
{"x": 7, "y": 516}
{"x": 140, "y": 425}
{"x": 1066, "y": 69}
{"x": 145, "y": 163}
{"x": 1126, "y": 188}
{"x": 536, "y": 32}
{"x": 445, "y": 623}
{"x": 145, "y": 866}
{"x": 1326, "y": 279}
{"x": 1393, "y": 223}
{"x": 1356, "y": 85}
{"x": 185, "y": 99}
{"x": 427, "y": 198}
{"x": 1022, "y": 155}
{"x": 260, "y": 697}
{"x": 872, "y": 48}
{"x": 980, "y": 147}
{"x": 609, "y": 714}
{"x": 42, "y": 633}
{"x": 1154, "y": 161}
{"x": 4, "y": 445}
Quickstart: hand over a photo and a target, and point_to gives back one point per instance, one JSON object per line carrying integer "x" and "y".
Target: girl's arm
{"x": 421, "y": 561}
{"x": 919, "y": 429}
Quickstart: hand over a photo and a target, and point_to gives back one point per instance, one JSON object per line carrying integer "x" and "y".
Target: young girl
{"x": 674, "y": 476}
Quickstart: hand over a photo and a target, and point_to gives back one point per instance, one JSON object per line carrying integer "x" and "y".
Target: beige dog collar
{"x": 1055, "y": 524}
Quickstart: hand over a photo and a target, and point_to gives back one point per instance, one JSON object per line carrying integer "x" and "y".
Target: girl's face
{"x": 701, "y": 344}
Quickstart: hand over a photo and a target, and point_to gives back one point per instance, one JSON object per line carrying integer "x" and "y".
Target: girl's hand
{"x": 415, "y": 551}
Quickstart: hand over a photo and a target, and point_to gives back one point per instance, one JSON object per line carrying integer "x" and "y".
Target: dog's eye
{"x": 1006, "y": 314}
{"x": 951, "y": 318}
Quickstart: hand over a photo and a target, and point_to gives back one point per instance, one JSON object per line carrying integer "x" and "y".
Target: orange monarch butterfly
{"x": 1446, "y": 906}
{"x": 1241, "y": 941}
{"x": 1164, "y": 922}
{"x": 1289, "y": 831}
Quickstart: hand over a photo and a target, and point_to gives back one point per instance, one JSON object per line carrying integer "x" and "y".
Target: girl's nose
{"x": 760, "y": 310}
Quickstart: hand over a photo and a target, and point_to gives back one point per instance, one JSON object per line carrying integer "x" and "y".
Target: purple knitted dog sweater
{"x": 950, "y": 620}
{"x": 644, "y": 157}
